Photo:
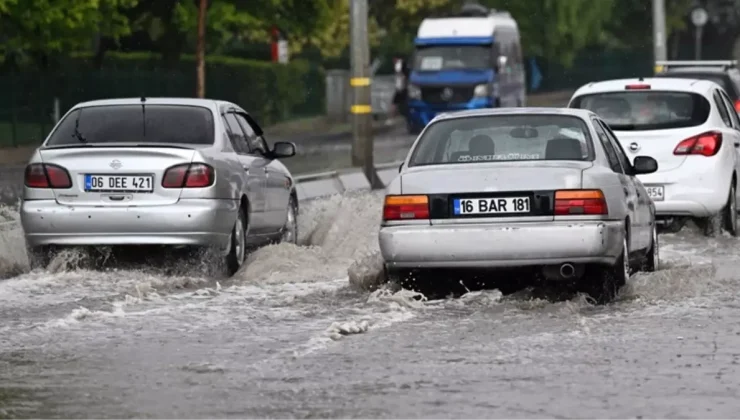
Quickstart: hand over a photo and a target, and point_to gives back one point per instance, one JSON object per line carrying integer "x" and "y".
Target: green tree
{"x": 33, "y": 30}
{"x": 558, "y": 30}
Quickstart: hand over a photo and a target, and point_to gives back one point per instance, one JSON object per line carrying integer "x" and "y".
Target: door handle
{"x": 246, "y": 169}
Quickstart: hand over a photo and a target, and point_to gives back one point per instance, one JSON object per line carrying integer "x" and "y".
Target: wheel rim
{"x": 239, "y": 248}
{"x": 625, "y": 259}
{"x": 291, "y": 226}
{"x": 656, "y": 248}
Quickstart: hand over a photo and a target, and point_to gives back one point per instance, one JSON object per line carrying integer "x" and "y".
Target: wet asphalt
{"x": 290, "y": 337}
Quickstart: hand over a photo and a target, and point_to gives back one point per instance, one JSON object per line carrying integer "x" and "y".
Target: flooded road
{"x": 294, "y": 334}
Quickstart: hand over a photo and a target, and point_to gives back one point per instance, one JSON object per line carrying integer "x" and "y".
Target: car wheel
{"x": 290, "y": 230}
{"x": 602, "y": 282}
{"x": 730, "y": 213}
{"x": 652, "y": 259}
{"x": 238, "y": 244}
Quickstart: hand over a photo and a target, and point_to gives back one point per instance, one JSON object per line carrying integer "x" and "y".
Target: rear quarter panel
{"x": 231, "y": 179}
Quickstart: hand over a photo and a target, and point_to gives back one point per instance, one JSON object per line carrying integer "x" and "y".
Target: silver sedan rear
{"x": 548, "y": 189}
{"x": 174, "y": 172}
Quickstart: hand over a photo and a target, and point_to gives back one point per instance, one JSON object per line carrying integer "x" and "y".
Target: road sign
{"x": 699, "y": 17}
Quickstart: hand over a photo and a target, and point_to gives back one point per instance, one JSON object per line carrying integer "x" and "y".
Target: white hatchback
{"x": 691, "y": 128}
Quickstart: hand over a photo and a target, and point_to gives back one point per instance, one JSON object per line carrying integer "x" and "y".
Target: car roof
{"x": 713, "y": 70}
{"x": 674, "y": 84}
{"x": 208, "y": 103}
{"x": 575, "y": 112}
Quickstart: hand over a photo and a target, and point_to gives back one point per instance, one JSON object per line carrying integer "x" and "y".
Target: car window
{"x": 641, "y": 110}
{"x": 497, "y": 138}
{"x": 731, "y": 113}
{"x": 255, "y": 144}
{"x": 611, "y": 154}
{"x": 136, "y": 124}
{"x": 236, "y": 134}
{"x": 721, "y": 108}
{"x": 258, "y": 130}
{"x": 617, "y": 146}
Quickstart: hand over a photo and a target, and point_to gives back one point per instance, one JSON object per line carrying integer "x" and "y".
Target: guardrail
{"x": 322, "y": 184}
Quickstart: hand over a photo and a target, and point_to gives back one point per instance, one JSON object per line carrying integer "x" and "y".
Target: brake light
{"x": 705, "y": 144}
{"x": 46, "y": 175}
{"x": 637, "y": 87}
{"x": 737, "y": 105}
{"x": 189, "y": 175}
{"x": 406, "y": 207}
{"x": 580, "y": 202}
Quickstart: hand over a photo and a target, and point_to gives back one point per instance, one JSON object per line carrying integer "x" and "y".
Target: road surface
{"x": 290, "y": 337}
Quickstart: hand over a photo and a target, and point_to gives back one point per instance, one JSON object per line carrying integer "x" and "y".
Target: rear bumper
{"x": 693, "y": 189}
{"x": 202, "y": 222}
{"x": 494, "y": 245}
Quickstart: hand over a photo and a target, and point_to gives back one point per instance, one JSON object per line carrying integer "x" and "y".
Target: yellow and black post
{"x": 360, "y": 80}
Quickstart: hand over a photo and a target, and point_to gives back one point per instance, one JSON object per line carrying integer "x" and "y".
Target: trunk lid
{"x": 658, "y": 144}
{"x": 105, "y": 176}
{"x": 503, "y": 191}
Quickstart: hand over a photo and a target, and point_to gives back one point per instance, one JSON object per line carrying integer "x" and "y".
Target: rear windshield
{"x": 646, "y": 110}
{"x": 503, "y": 138}
{"x": 135, "y": 124}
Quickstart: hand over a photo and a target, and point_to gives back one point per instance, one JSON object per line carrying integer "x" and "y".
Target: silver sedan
{"x": 547, "y": 190}
{"x": 158, "y": 171}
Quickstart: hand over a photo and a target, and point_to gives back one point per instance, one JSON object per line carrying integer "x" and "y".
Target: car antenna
{"x": 143, "y": 113}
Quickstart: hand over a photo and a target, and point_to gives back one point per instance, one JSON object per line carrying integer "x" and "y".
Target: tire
{"x": 602, "y": 282}
{"x": 238, "y": 244}
{"x": 730, "y": 212}
{"x": 652, "y": 258}
{"x": 290, "y": 230}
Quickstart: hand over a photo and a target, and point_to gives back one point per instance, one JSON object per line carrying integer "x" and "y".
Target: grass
{"x": 29, "y": 136}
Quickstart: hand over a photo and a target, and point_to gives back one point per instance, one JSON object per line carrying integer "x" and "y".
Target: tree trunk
{"x": 200, "y": 54}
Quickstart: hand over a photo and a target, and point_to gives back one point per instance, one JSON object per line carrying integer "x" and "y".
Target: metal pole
{"x": 200, "y": 53}
{"x": 659, "y": 35}
{"x": 362, "y": 144}
{"x": 697, "y": 42}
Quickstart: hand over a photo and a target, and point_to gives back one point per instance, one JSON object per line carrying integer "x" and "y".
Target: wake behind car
{"x": 691, "y": 128}
{"x": 158, "y": 171}
{"x": 528, "y": 188}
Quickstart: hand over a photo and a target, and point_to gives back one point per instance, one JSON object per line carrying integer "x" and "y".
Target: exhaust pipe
{"x": 567, "y": 270}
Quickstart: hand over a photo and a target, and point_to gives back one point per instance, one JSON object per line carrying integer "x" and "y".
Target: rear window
{"x": 503, "y": 138}
{"x": 647, "y": 109}
{"x": 135, "y": 124}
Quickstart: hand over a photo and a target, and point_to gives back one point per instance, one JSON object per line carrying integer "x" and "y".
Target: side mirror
{"x": 282, "y": 149}
{"x": 645, "y": 165}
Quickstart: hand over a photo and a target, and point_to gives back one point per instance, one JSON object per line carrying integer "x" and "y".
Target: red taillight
{"x": 189, "y": 175}
{"x": 406, "y": 207}
{"x": 45, "y": 175}
{"x": 737, "y": 105}
{"x": 637, "y": 87}
{"x": 580, "y": 202}
{"x": 705, "y": 144}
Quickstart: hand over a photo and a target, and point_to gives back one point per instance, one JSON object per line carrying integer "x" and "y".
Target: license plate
{"x": 115, "y": 183}
{"x": 656, "y": 193}
{"x": 502, "y": 205}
